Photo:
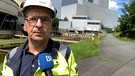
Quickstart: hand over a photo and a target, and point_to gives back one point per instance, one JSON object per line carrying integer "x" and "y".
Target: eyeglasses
{"x": 33, "y": 19}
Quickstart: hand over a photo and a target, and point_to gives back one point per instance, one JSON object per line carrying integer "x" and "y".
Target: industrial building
{"x": 8, "y": 16}
{"x": 80, "y": 24}
{"x": 95, "y": 9}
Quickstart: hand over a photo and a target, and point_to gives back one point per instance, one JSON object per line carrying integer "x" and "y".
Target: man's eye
{"x": 45, "y": 19}
{"x": 33, "y": 19}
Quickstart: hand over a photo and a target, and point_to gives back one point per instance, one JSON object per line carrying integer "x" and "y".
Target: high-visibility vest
{"x": 61, "y": 66}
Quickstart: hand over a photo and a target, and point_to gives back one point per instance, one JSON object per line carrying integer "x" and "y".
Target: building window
{"x": 93, "y": 23}
{"x": 90, "y": 1}
{"x": 80, "y": 18}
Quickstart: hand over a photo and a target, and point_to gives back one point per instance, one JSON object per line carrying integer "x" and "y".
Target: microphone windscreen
{"x": 45, "y": 61}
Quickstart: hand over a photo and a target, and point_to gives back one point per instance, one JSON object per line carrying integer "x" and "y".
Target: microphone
{"x": 45, "y": 63}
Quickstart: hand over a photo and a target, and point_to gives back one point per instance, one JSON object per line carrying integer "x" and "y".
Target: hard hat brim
{"x": 53, "y": 13}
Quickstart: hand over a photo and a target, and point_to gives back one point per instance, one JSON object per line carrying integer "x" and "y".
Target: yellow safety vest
{"x": 61, "y": 67}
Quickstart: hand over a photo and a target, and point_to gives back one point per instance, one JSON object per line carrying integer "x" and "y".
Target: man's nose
{"x": 39, "y": 23}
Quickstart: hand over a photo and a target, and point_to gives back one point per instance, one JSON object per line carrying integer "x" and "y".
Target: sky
{"x": 116, "y": 5}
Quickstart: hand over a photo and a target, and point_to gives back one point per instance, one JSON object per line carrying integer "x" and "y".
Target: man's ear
{"x": 24, "y": 31}
{"x": 24, "y": 28}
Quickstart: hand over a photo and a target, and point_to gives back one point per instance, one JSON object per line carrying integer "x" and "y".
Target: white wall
{"x": 68, "y": 11}
{"x": 108, "y": 17}
{"x": 80, "y": 25}
{"x": 64, "y": 24}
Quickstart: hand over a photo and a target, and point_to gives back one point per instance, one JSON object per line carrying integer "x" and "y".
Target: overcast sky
{"x": 116, "y": 5}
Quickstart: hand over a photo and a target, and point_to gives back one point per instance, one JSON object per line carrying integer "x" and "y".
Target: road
{"x": 120, "y": 61}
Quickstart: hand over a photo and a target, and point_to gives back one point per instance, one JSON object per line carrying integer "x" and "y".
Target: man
{"x": 23, "y": 60}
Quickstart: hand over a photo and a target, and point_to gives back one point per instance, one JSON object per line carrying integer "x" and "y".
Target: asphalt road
{"x": 121, "y": 54}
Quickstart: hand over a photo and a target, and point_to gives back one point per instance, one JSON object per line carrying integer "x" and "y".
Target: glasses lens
{"x": 46, "y": 20}
{"x": 33, "y": 20}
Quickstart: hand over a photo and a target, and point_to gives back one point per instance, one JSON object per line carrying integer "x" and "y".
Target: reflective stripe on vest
{"x": 62, "y": 49}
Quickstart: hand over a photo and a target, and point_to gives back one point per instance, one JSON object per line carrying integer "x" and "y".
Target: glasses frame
{"x": 42, "y": 18}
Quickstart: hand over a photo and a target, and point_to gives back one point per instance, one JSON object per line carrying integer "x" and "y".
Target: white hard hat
{"x": 43, "y": 3}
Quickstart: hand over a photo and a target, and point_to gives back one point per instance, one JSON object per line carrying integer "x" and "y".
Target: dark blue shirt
{"x": 29, "y": 63}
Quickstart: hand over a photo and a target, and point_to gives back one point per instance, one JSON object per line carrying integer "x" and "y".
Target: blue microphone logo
{"x": 48, "y": 58}
{"x": 45, "y": 61}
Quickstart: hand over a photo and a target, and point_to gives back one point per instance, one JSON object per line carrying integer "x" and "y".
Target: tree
{"x": 127, "y": 21}
{"x": 102, "y": 26}
{"x": 65, "y": 19}
{"x": 55, "y": 23}
{"x": 117, "y": 28}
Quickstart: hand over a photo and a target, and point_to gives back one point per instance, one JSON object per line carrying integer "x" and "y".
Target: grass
{"x": 2, "y": 55}
{"x": 116, "y": 34}
{"x": 7, "y": 43}
{"x": 0, "y": 69}
{"x": 104, "y": 59}
{"x": 86, "y": 48}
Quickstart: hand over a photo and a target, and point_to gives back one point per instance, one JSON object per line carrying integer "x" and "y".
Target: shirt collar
{"x": 51, "y": 49}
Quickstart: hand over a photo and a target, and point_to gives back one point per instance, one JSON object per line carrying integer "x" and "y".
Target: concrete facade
{"x": 9, "y": 6}
{"x": 8, "y": 16}
{"x": 95, "y": 12}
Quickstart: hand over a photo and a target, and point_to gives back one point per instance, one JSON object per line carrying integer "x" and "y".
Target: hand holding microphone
{"x": 45, "y": 62}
